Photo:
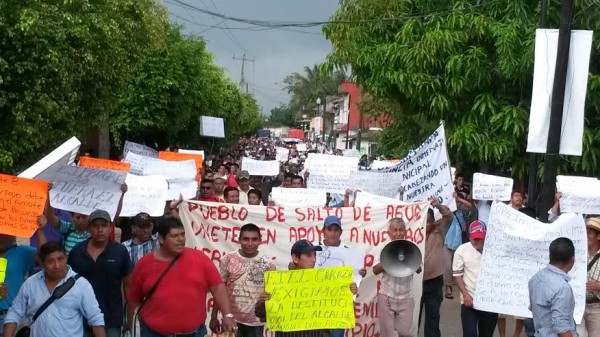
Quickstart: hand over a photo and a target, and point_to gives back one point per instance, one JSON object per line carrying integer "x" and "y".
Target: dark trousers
{"x": 249, "y": 331}
{"x": 431, "y": 300}
{"x": 477, "y": 323}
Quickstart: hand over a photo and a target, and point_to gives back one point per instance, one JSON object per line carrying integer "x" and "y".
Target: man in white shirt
{"x": 465, "y": 269}
{"x": 243, "y": 180}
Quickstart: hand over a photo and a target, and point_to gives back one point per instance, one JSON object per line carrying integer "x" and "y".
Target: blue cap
{"x": 332, "y": 220}
{"x": 303, "y": 246}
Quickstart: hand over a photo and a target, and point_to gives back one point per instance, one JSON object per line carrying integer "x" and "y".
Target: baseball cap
{"x": 141, "y": 219}
{"x": 99, "y": 214}
{"x": 332, "y": 220}
{"x": 243, "y": 174}
{"x": 477, "y": 230}
{"x": 593, "y": 223}
{"x": 303, "y": 246}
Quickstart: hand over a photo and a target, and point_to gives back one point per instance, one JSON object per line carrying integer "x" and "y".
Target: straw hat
{"x": 594, "y": 223}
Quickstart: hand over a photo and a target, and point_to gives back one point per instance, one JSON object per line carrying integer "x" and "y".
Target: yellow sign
{"x": 3, "y": 265}
{"x": 310, "y": 299}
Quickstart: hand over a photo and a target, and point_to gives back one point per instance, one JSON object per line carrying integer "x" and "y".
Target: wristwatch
{"x": 228, "y": 316}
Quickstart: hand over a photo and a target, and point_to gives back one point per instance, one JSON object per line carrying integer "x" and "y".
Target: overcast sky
{"x": 276, "y": 52}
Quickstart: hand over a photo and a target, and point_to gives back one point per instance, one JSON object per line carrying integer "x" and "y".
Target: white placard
{"x": 212, "y": 127}
{"x": 490, "y": 187}
{"x": 367, "y": 199}
{"x": 383, "y": 184}
{"x": 426, "y": 171}
{"x": 326, "y": 164}
{"x": 546, "y": 45}
{"x": 145, "y": 194}
{"x": 382, "y": 164}
{"x": 139, "y": 149}
{"x": 282, "y": 154}
{"x": 260, "y": 167}
{"x": 516, "y": 247}
{"x": 84, "y": 190}
{"x": 299, "y": 197}
{"x": 579, "y": 194}
{"x": 187, "y": 188}
{"x": 63, "y": 155}
{"x": 339, "y": 257}
{"x": 200, "y": 152}
{"x": 301, "y": 147}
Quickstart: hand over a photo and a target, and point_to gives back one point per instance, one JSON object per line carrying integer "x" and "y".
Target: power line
{"x": 228, "y": 31}
{"x": 243, "y": 83}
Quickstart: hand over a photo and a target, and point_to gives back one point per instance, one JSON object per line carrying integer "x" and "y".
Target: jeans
{"x": 431, "y": 300}
{"x": 337, "y": 332}
{"x": 110, "y": 332}
{"x": 529, "y": 327}
{"x": 590, "y": 326}
{"x": 249, "y": 331}
{"x": 2, "y": 316}
{"x": 477, "y": 323}
{"x": 146, "y": 332}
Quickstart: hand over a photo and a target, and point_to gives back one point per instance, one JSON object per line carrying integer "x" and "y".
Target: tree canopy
{"x": 466, "y": 62}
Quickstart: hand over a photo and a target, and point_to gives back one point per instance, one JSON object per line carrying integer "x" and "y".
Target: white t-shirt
{"x": 467, "y": 263}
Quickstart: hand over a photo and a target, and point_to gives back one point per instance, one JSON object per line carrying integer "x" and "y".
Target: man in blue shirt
{"x": 551, "y": 298}
{"x": 65, "y": 316}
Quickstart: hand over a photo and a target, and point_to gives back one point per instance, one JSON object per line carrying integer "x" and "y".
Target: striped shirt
{"x": 73, "y": 236}
{"x": 139, "y": 250}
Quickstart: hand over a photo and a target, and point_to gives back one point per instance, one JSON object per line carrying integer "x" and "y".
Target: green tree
{"x": 466, "y": 62}
{"x": 283, "y": 116}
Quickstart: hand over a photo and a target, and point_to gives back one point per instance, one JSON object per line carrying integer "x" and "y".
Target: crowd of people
{"x": 85, "y": 275}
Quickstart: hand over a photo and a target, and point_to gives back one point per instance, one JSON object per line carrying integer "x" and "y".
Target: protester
{"x": 303, "y": 255}
{"x": 516, "y": 200}
{"x": 255, "y": 197}
{"x": 106, "y": 265}
{"x": 233, "y": 172}
{"x": 297, "y": 182}
{"x": 207, "y": 192}
{"x": 232, "y": 195}
{"x": 590, "y": 326}
{"x": 219, "y": 187}
{"x": 551, "y": 298}
{"x": 395, "y": 299}
{"x": 143, "y": 241}
{"x": 64, "y": 317}
{"x": 242, "y": 272}
{"x": 243, "y": 179}
{"x": 466, "y": 266}
{"x": 163, "y": 310}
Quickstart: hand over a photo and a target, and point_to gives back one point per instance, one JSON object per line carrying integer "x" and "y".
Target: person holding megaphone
{"x": 395, "y": 299}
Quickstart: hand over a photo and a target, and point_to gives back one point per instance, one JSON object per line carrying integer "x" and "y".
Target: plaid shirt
{"x": 138, "y": 250}
{"x": 594, "y": 275}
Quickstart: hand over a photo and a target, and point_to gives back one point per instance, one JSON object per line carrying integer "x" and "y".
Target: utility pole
{"x": 533, "y": 157}
{"x": 556, "y": 111}
{"x": 243, "y": 83}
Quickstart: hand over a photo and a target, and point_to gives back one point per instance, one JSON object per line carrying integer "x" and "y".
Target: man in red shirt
{"x": 207, "y": 191}
{"x": 231, "y": 179}
{"x": 177, "y": 306}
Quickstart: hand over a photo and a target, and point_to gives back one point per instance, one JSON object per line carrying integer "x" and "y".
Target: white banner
{"x": 329, "y": 172}
{"x": 516, "y": 247}
{"x": 367, "y": 199}
{"x": 301, "y": 147}
{"x": 299, "y": 197}
{"x": 282, "y": 154}
{"x": 260, "y": 167}
{"x": 63, "y": 155}
{"x": 579, "y": 194}
{"x": 382, "y": 184}
{"x": 426, "y": 172}
{"x": 84, "y": 190}
{"x": 382, "y": 164}
{"x": 490, "y": 187}
{"x": 200, "y": 152}
{"x": 546, "y": 45}
{"x": 145, "y": 194}
{"x": 139, "y": 149}
{"x": 214, "y": 229}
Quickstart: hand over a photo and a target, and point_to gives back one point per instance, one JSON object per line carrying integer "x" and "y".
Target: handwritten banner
{"x": 260, "y": 167}
{"x": 21, "y": 202}
{"x": 516, "y": 247}
{"x": 309, "y": 299}
{"x": 299, "y": 197}
{"x": 490, "y": 187}
{"x": 282, "y": 153}
{"x": 180, "y": 156}
{"x": 145, "y": 194}
{"x": 426, "y": 171}
{"x": 214, "y": 229}
{"x": 83, "y": 189}
{"x": 579, "y": 194}
{"x": 367, "y": 199}
{"x": 63, "y": 155}
{"x": 383, "y": 184}
{"x": 330, "y": 165}
{"x": 139, "y": 149}
{"x": 105, "y": 164}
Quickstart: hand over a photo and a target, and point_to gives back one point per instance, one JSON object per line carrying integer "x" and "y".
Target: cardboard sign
{"x": 516, "y": 247}
{"x": 367, "y": 199}
{"x": 139, "y": 149}
{"x": 579, "y": 194}
{"x": 22, "y": 201}
{"x": 490, "y": 187}
{"x": 180, "y": 156}
{"x": 260, "y": 167}
{"x": 299, "y": 197}
{"x": 145, "y": 194}
{"x": 63, "y": 155}
{"x": 282, "y": 154}
{"x": 105, "y": 164}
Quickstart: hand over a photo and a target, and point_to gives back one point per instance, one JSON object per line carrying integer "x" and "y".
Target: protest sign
{"x": 426, "y": 171}
{"x": 139, "y": 149}
{"x": 145, "y": 194}
{"x": 299, "y": 197}
{"x": 105, "y": 164}
{"x": 516, "y": 247}
{"x": 84, "y": 190}
{"x": 282, "y": 154}
{"x": 63, "y": 155}
{"x": 342, "y": 256}
{"x": 367, "y": 199}
{"x": 21, "y": 202}
{"x": 3, "y": 265}
{"x": 383, "y": 164}
{"x": 179, "y": 156}
{"x": 200, "y": 152}
{"x": 382, "y": 184}
{"x": 260, "y": 167}
{"x": 579, "y": 194}
{"x": 490, "y": 187}
{"x": 214, "y": 229}
{"x": 328, "y": 172}
{"x": 309, "y": 299}
{"x": 301, "y": 147}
